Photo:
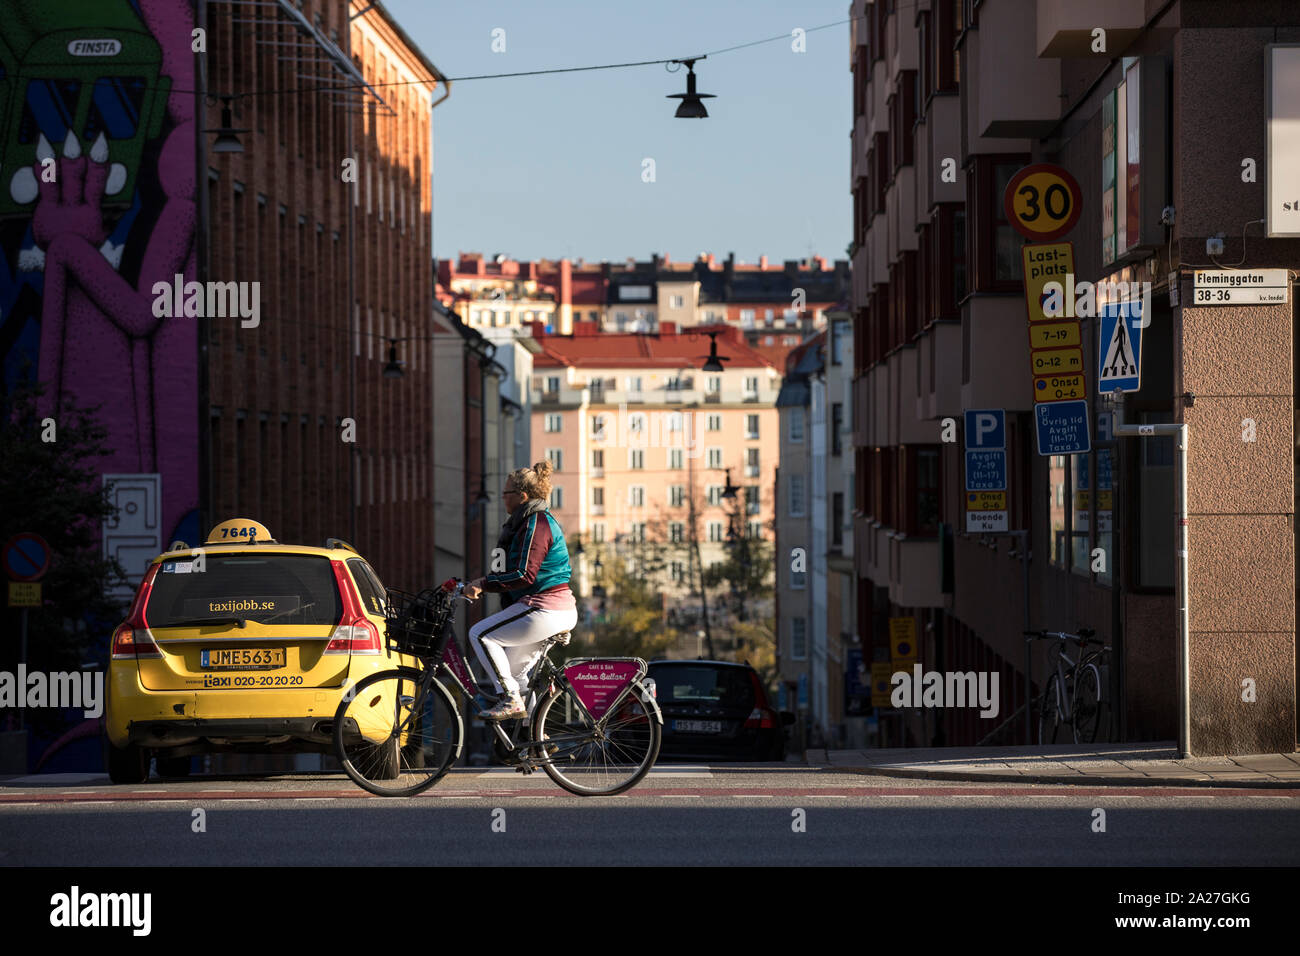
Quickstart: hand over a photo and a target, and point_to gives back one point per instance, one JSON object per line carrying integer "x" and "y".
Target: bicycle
{"x": 1074, "y": 690}
{"x": 595, "y": 727}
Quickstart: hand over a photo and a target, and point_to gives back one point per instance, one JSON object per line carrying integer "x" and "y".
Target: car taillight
{"x": 760, "y": 718}
{"x": 358, "y": 637}
{"x": 132, "y": 637}
{"x": 355, "y": 633}
{"x": 131, "y": 642}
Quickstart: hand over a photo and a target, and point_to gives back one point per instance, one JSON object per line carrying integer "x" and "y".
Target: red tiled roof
{"x": 631, "y": 350}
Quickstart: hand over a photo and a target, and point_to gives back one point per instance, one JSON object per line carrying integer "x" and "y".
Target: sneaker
{"x": 509, "y": 707}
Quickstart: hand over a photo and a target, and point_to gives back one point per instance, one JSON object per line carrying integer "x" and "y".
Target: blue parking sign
{"x": 986, "y": 428}
{"x": 1063, "y": 427}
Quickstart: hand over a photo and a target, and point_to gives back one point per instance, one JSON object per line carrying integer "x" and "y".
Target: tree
{"x": 635, "y": 628}
{"x": 53, "y": 488}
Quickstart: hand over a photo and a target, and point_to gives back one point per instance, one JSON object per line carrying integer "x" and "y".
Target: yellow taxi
{"x": 241, "y": 645}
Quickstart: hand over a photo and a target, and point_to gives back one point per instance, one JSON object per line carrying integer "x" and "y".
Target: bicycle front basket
{"x": 414, "y": 621}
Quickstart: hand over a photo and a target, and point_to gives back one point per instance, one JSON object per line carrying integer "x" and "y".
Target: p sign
{"x": 986, "y": 428}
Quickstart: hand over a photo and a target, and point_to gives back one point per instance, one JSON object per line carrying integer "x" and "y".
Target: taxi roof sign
{"x": 240, "y": 531}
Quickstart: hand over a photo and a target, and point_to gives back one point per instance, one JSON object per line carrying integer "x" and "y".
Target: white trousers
{"x": 509, "y": 642}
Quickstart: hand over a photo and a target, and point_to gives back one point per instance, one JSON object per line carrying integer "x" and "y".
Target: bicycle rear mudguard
{"x": 603, "y": 682}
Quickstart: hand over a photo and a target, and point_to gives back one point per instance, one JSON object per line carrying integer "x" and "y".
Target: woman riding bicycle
{"x": 536, "y": 581}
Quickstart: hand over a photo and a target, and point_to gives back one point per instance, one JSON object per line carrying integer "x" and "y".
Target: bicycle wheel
{"x": 1086, "y": 708}
{"x": 595, "y": 758}
{"x": 395, "y": 737}
{"x": 1049, "y": 713}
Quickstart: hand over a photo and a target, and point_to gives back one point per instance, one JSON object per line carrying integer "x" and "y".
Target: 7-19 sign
{"x": 1042, "y": 202}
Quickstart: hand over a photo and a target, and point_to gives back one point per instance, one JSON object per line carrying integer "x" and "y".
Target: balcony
{"x": 596, "y": 510}
{"x": 713, "y": 398}
{"x": 751, "y": 471}
{"x": 597, "y": 472}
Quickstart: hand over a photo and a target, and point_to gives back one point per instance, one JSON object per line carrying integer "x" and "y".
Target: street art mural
{"x": 97, "y": 203}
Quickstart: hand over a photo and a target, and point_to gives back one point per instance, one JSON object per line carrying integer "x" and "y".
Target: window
{"x": 553, "y": 422}
{"x": 798, "y": 638}
{"x": 598, "y": 427}
{"x": 902, "y": 113}
{"x": 636, "y": 424}
{"x": 992, "y": 245}
{"x": 636, "y": 531}
{"x": 837, "y": 428}
{"x": 636, "y": 496}
{"x": 715, "y": 457}
{"x": 947, "y": 25}
{"x": 751, "y": 426}
{"x": 598, "y": 532}
{"x": 926, "y": 506}
{"x": 798, "y": 580}
{"x": 675, "y": 458}
{"x": 837, "y": 519}
{"x": 598, "y": 497}
{"x": 839, "y": 334}
{"x": 715, "y": 532}
{"x": 557, "y": 498}
{"x": 555, "y": 456}
{"x": 795, "y": 504}
{"x": 714, "y": 423}
{"x": 751, "y": 499}
{"x": 714, "y": 494}
{"x": 635, "y": 459}
{"x": 674, "y": 421}
{"x": 675, "y": 301}
{"x": 714, "y": 384}
{"x": 678, "y": 572}
{"x": 747, "y": 318}
{"x": 754, "y": 530}
{"x": 675, "y": 529}
{"x": 1056, "y": 509}
{"x": 598, "y": 458}
{"x": 553, "y": 383}
{"x": 751, "y": 387}
{"x": 751, "y": 462}
{"x": 676, "y": 495}
{"x": 633, "y": 383}
{"x": 796, "y": 424}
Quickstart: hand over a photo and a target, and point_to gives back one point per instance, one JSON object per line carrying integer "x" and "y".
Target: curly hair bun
{"x": 543, "y": 469}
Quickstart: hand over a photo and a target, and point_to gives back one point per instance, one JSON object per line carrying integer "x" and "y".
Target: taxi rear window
{"x": 295, "y": 589}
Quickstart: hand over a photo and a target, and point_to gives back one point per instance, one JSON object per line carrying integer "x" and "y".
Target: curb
{"x": 1081, "y": 780}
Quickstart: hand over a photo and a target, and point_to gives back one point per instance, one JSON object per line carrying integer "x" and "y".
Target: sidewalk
{"x": 1092, "y": 764}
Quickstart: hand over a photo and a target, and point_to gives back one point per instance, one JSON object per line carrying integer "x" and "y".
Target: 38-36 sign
{"x": 1042, "y": 202}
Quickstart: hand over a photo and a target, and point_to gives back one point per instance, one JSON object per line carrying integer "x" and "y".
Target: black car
{"x": 717, "y": 710}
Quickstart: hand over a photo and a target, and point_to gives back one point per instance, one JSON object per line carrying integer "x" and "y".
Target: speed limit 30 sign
{"x": 1042, "y": 202}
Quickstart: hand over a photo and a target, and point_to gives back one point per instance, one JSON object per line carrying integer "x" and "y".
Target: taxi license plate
{"x": 699, "y": 726}
{"x": 242, "y": 658}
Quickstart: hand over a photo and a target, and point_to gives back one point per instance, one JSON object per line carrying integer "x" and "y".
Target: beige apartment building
{"x": 636, "y": 430}
{"x": 1172, "y": 119}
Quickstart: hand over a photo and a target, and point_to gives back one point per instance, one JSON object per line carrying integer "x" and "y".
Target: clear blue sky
{"x": 550, "y": 166}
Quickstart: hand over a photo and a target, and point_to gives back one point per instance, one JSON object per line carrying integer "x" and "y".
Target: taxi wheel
{"x": 129, "y": 764}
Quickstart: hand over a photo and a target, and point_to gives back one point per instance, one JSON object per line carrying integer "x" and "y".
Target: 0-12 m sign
{"x": 1042, "y": 202}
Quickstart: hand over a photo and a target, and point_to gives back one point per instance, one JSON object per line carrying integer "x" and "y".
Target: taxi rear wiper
{"x": 201, "y": 621}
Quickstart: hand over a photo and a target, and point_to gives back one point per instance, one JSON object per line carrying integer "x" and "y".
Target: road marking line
{"x": 681, "y": 796}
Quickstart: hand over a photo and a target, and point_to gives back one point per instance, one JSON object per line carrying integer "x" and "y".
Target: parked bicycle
{"x": 1074, "y": 690}
{"x": 592, "y": 724}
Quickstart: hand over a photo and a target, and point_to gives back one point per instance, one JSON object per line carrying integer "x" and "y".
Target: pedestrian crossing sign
{"x": 1120, "y": 355}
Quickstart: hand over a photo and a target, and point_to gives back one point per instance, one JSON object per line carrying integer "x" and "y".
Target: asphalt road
{"x": 680, "y": 815}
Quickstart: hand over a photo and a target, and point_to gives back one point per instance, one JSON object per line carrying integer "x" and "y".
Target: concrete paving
{"x": 1120, "y": 764}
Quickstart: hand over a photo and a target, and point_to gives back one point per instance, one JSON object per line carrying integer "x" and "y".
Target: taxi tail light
{"x": 132, "y": 638}
{"x": 357, "y": 637}
{"x": 355, "y": 633}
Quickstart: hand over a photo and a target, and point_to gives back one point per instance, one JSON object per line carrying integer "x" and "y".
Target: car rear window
{"x": 373, "y": 595}
{"x": 267, "y": 588}
{"x": 682, "y": 683}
